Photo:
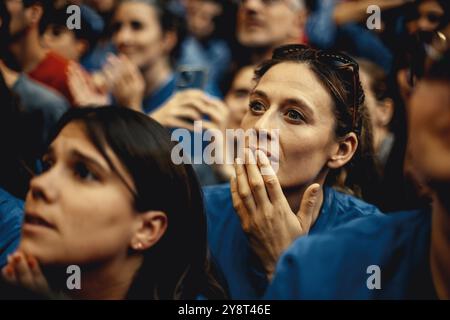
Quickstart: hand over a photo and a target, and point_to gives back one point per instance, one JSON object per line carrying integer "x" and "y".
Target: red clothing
{"x": 52, "y": 71}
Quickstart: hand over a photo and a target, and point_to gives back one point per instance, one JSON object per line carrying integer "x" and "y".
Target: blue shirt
{"x": 214, "y": 56}
{"x": 230, "y": 248}
{"x": 11, "y": 217}
{"x": 335, "y": 265}
{"x": 160, "y": 96}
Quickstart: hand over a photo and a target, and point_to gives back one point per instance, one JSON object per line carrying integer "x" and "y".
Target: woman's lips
{"x": 35, "y": 220}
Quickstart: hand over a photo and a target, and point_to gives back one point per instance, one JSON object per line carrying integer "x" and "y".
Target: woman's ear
{"x": 150, "y": 227}
{"x": 344, "y": 152}
{"x": 170, "y": 40}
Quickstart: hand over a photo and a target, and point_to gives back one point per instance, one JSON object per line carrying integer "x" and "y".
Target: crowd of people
{"x": 358, "y": 183}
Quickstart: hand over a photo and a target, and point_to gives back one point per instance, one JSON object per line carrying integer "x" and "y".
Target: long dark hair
{"x": 20, "y": 142}
{"x": 359, "y": 176}
{"x": 178, "y": 266}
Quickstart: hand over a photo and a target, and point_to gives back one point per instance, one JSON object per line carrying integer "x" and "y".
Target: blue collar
{"x": 159, "y": 96}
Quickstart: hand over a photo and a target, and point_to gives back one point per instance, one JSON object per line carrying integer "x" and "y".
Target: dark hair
{"x": 47, "y": 12}
{"x": 440, "y": 70}
{"x": 169, "y": 22}
{"x": 357, "y": 176}
{"x": 19, "y": 142}
{"x": 178, "y": 266}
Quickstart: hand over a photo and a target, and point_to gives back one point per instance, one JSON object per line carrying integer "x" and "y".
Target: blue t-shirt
{"x": 229, "y": 244}
{"x": 379, "y": 257}
{"x": 11, "y": 217}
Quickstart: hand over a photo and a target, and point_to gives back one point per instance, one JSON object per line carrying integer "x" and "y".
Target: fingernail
{"x": 31, "y": 263}
{"x": 262, "y": 157}
{"x": 9, "y": 271}
{"x": 17, "y": 258}
{"x": 239, "y": 161}
{"x": 316, "y": 190}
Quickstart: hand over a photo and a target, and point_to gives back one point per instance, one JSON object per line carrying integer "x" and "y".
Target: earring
{"x": 138, "y": 245}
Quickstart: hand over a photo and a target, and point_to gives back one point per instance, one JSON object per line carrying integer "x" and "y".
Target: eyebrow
{"x": 300, "y": 102}
{"x": 260, "y": 93}
{"x": 80, "y": 156}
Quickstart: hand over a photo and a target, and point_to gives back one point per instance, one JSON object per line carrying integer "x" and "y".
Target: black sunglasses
{"x": 347, "y": 67}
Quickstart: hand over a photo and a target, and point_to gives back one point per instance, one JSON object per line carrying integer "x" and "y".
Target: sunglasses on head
{"x": 347, "y": 67}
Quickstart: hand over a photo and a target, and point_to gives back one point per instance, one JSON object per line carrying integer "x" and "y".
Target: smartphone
{"x": 190, "y": 78}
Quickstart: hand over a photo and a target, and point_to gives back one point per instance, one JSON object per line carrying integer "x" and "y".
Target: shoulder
{"x": 335, "y": 264}
{"x": 351, "y": 204}
{"x": 27, "y": 87}
{"x": 217, "y": 195}
{"x": 11, "y": 209}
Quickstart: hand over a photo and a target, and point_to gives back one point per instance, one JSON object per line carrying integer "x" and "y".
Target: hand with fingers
{"x": 265, "y": 214}
{"x": 23, "y": 270}
{"x": 188, "y": 106}
{"x": 125, "y": 81}
{"x": 83, "y": 89}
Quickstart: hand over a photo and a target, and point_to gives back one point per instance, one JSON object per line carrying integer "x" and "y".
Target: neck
{"x": 294, "y": 197}
{"x": 28, "y": 51}
{"x": 110, "y": 281}
{"x": 440, "y": 247}
{"x": 156, "y": 75}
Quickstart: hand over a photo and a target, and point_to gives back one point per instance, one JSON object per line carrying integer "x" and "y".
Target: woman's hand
{"x": 188, "y": 106}
{"x": 125, "y": 81}
{"x": 264, "y": 211}
{"x": 23, "y": 270}
{"x": 83, "y": 89}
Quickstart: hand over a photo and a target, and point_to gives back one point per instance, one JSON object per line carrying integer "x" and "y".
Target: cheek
{"x": 303, "y": 156}
{"x": 95, "y": 229}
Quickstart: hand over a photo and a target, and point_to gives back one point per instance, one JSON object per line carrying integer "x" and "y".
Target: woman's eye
{"x": 257, "y": 107}
{"x": 294, "y": 115}
{"x": 46, "y": 164}
{"x": 83, "y": 172}
{"x": 135, "y": 25}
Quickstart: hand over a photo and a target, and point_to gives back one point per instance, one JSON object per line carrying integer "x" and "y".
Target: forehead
{"x": 135, "y": 10}
{"x": 289, "y": 80}
{"x": 431, "y": 5}
{"x": 244, "y": 77}
{"x": 74, "y": 136}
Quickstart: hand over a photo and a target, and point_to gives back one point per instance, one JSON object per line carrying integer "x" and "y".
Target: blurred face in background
{"x": 138, "y": 34}
{"x": 268, "y": 23}
{"x": 429, "y": 131}
{"x": 430, "y": 15}
{"x": 102, "y": 6}
{"x": 64, "y": 42}
{"x": 18, "y": 17}
{"x": 381, "y": 111}
{"x": 237, "y": 98}
{"x": 200, "y": 15}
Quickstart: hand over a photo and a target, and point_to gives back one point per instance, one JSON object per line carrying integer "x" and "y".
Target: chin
{"x": 253, "y": 40}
